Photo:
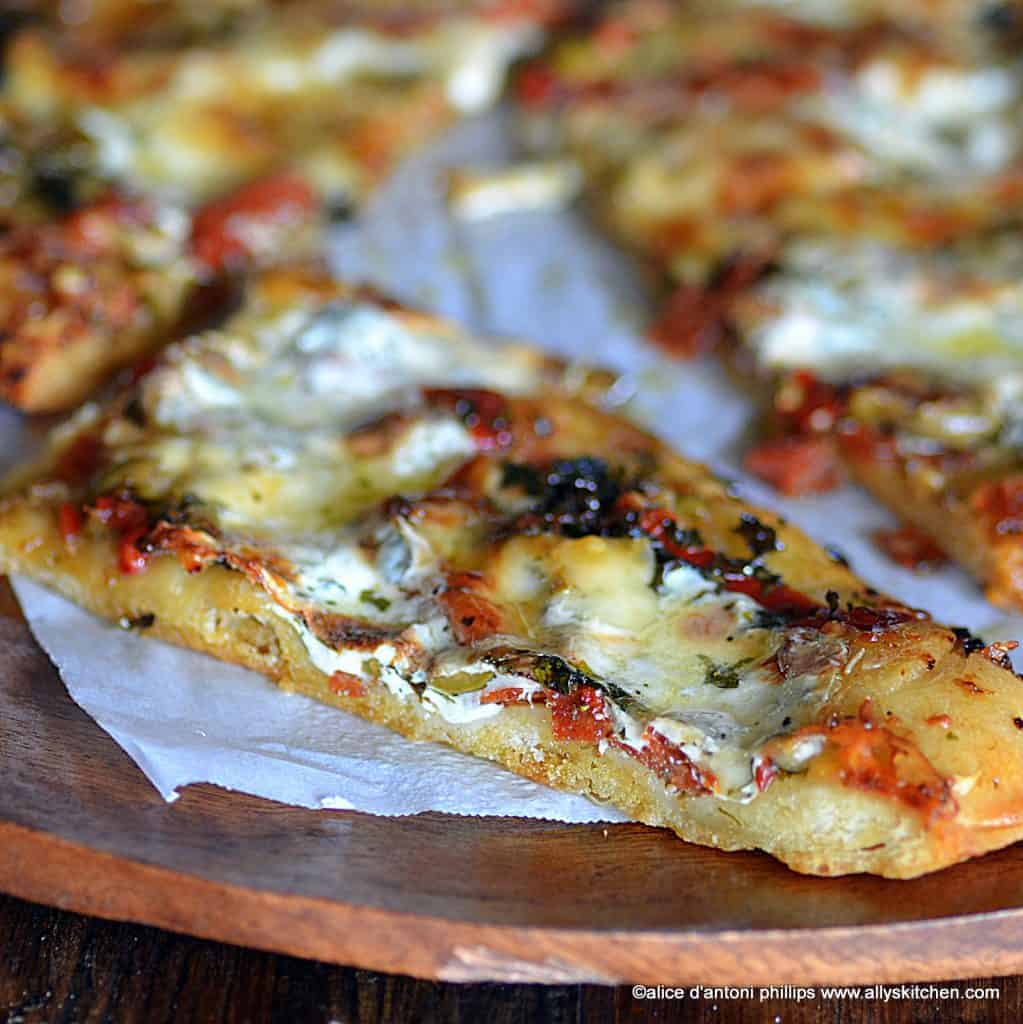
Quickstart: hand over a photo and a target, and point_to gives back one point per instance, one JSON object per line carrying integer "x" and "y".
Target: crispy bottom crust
{"x": 810, "y": 821}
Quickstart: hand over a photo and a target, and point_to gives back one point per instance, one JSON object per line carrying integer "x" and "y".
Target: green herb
{"x": 555, "y": 673}
{"x": 372, "y": 597}
{"x": 729, "y": 816}
{"x": 460, "y": 682}
{"x": 724, "y": 677}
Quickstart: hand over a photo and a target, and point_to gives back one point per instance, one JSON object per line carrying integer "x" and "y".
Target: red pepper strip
{"x": 659, "y": 525}
{"x": 70, "y": 521}
{"x": 669, "y": 762}
{"x": 485, "y": 413}
{"x": 765, "y": 773}
{"x": 537, "y": 86}
{"x": 130, "y": 521}
{"x": 581, "y": 715}
{"x": 808, "y": 405}
{"x": 796, "y": 465}
{"x": 219, "y": 229}
{"x": 776, "y": 597}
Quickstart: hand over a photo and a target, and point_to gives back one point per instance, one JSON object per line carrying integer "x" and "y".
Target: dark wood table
{"x": 59, "y": 967}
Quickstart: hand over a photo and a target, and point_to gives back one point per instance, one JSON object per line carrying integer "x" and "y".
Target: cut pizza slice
{"x": 906, "y": 369}
{"x": 713, "y": 135}
{"x": 455, "y": 539}
{"x": 100, "y": 288}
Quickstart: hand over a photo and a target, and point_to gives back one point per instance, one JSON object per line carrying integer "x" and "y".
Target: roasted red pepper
{"x": 344, "y": 684}
{"x": 484, "y": 413}
{"x": 580, "y": 715}
{"x": 70, "y": 521}
{"x": 796, "y": 465}
{"x": 130, "y": 521}
{"x": 222, "y": 230}
{"x": 471, "y": 615}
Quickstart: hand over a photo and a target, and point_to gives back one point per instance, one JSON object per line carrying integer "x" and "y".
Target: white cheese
{"x": 839, "y": 308}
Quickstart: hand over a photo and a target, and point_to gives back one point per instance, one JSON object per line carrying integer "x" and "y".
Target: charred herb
{"x": 761, "y": 538}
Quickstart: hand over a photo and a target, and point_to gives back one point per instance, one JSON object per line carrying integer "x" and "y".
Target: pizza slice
{"x": 906, "y": 369}
{"x": 713, "y": 135}
{"x": 100, "y": 288}
{"x": 338, "y": 92}
{"x": 458, "y": 541}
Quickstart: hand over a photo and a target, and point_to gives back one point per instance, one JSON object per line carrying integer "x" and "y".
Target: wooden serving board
{"x": 455, "y": 898}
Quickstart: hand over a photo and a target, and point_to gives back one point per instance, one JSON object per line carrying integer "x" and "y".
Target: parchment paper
{"x": 547, "y": 276}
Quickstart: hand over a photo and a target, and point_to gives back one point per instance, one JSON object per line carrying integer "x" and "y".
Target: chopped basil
{"x": 372, "y": 597}
{"x": 724, "y": 677}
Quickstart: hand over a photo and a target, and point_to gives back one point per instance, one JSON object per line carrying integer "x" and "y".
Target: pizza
{"x": 925, "y": 415}
{"x": 462, "y": 542}
{"x": 190, "y": 143}
{"x": 710, "y": 135}
{"x": 101, "y": 287}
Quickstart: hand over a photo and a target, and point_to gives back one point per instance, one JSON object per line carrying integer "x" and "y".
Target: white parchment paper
{"x": 186, "y": 718}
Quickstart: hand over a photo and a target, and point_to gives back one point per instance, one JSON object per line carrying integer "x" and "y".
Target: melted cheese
{"x": 839, "y": 309}
{"x": 263, "y": 426}
{"x": 197, "y": 120}
{"x": 252, "y": 423}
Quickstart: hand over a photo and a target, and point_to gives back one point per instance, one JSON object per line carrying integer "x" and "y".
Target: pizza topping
{"x": 80, "y": 459}
{"x": 668, "y": 761}
{"x": 130, "y": 521}
{"x": 697, "y": 318}
{"x": 761, "y": 539}
{"x": 71, "y": 522}
{"x": 873, "y": 758}
{"x": 910, "y": 547}
{"x": 807, "y": 651}
{"x": 1001, "y": 504}
{"x": 483, "y": 413}
{"x": 344, "y": 684}
{"x": 579, "y": 715}
{"x": 999, "y": 653}
{"x": 796, "y": 465}
{"x": 230, "y": 232}
{"x": 765, "y": 772}
{"x": 471, "y": 615}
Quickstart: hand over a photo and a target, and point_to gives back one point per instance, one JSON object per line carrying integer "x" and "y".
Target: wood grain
{"x": 59, "y": 967}
{"x": 454, "y": 898}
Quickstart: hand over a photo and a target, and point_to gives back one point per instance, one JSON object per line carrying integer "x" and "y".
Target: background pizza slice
{"x": 196, "y": 152}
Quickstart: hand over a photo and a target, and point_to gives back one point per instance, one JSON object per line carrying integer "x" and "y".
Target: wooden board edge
{"x": 47, "y": 869}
